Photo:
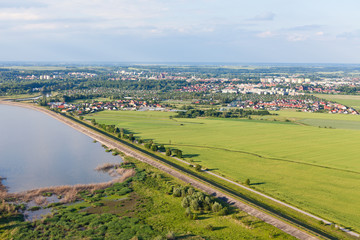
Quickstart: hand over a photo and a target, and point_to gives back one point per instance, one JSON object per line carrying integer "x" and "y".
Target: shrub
{"x": 154, "y": 148}
{"x": 170, "y": 235}
{"x": 162, "y": 148}
{"x": 195, "y": 204}
{"x": 185, "y": 202}
{"x": 209, "y": 227}
{"x": 177, "y": 192}
{"x": 168, "y": 152}
{"x": 198, "y": 167}
{"x": 216, "y": 207}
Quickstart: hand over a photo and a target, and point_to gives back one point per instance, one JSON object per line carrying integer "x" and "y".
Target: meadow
{"x": 313, "y": 168}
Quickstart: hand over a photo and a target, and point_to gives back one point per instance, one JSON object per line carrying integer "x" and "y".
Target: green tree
{"x": 179, "y": 153}
{"x": 194, "y": 204}
{"x": 216, "y": 207}
{"x": 185, "y": 202}
{"x": 168, "y": 152}
{"x": 247, "y": 181}
{"x": 162, "y": 148}
{"x": 198, "y": 167}
{"x": 154, "y": 148}
{"x": 131, "y": 137}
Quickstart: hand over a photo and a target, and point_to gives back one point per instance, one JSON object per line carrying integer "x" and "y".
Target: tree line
{"x": 233, "y": 113}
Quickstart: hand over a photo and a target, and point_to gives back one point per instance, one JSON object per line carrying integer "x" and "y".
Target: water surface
{"x": 39, "y": 151}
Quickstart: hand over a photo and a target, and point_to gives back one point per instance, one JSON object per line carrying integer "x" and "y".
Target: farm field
{"x": 313, "y": 168}
{"x": 348, "y": 100}
{"x": 340, "y": 121}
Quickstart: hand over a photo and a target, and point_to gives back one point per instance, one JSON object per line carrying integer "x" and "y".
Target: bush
{"x": 198, "y": 167}
{"x": 185, "y": 202}
{"x": 177, "y": 192}
{"x": 154, "y": 148}
{"x": 209, "y": 227}
{"x": 170, "y": 235}
{"x": 247, "y": 181}
{"x": 179, "y": 153}
{"x": 162, "y": 148}
{"x": 168, "y": 152}
{"x": 216, "y": 207}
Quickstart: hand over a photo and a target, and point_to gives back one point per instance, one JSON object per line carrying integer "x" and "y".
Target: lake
{"x": 39, "y": 151}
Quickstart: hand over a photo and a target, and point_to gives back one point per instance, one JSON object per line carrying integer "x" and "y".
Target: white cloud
{"x": 15, "y": 16}
{"x": 296, "y": 37}
{"x": 267, "y": 16}
{"x": 266, "y": 34}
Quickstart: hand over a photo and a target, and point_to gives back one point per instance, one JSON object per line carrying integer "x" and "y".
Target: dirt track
{"x": 115, "y": 145}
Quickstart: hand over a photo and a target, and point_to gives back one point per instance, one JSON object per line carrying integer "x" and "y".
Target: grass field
{"x": 313, "y": 168}
{"x": 348, "y": 100}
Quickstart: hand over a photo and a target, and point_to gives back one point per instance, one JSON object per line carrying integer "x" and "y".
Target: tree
{"x": 154, "y": 147}
{"x": 216, "y": 207}
{"x": 131, "y": 137}
{"x": 168, "y": 152}
{"x": 185, "y": 202}
{"x": 194, "y": 204}
{"x": 177, "y": 192}
{"x": 198, "y": 167}
{"x": 93, "y": 121}
{"x": 81, "y": 118}
{"x": 247, "y": 181}
{"x": 122, "y": 132}
{"x": 162, "y": 148}
{"x": 179, "y": 153}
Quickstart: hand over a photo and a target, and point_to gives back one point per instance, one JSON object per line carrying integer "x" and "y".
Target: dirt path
{"x": 300, "y": 234}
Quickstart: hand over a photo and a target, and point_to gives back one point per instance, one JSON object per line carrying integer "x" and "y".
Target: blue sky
{"x": 180, "y": 30}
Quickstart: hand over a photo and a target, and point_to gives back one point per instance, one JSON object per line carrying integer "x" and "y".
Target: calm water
{"x": 39, "y": 151}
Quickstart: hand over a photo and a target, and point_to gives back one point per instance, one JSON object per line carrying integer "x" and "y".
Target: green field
{"x": 313, "y": 168}
{"x": 348, "y": 100}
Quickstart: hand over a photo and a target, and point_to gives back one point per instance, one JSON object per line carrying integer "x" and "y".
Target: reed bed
{"x": 2, "y": 187}
{"x": 68, "y": 193}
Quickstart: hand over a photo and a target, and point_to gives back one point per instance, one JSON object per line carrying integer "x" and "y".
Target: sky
{"x": 236, "y": 31}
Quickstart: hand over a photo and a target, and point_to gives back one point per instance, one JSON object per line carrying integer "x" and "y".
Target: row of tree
{"x": 234, "y": 113}
{"x": 149, "y": 145}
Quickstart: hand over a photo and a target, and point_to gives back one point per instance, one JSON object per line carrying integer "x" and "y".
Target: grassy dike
{"x": 299, "y": 220}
